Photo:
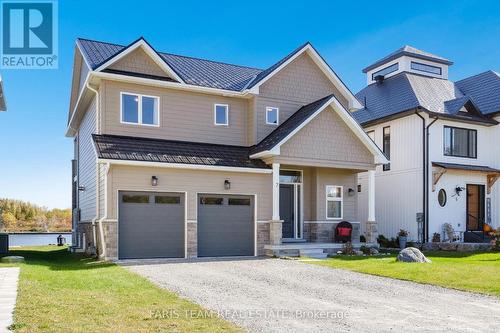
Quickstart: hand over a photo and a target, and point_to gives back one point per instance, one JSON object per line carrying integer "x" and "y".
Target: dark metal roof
{"x": 116, "y": 147}
{"x": 406, "y": 91}
{"x": 466, "y": 167}
{"x": 200, "y": 72}
{"x": 409, "y": 51}
{"x": 484, "y": 90}
{"x": 287, "y": 127}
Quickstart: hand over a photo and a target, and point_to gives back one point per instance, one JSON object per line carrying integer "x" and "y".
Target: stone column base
{"x": 275, "y": 232}
{"x": 371, "y": 232}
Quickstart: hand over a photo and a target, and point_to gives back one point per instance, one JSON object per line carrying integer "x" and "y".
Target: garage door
{"x": 150, "y": 225}
{"x": 225, "y": 225}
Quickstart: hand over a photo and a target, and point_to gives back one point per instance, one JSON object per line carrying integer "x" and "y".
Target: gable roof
{"x": 270, "y": 145}
{"x": 406, "y": 91}
{"x": 411, "y": 51}
{"x": 484, "y": 91}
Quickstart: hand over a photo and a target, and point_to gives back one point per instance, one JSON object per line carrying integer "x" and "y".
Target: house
{"x": 177, "y": 156}
{"x": 3, "y": 105}
{"x": 442, "y": 141}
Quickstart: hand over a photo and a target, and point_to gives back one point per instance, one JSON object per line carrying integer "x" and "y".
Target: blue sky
{"x": 35, "y": 156}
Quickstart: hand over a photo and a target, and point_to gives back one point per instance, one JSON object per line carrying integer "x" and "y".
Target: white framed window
{"x": 334, "y": 202}
{"x": 139, "y": 109}
{"x": 221, "y": 114}
{"x": 272, "y": 115}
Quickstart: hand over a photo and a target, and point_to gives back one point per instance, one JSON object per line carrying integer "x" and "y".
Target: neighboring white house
{"x": 443, "y": 140}
{"x": 3, "y": 105}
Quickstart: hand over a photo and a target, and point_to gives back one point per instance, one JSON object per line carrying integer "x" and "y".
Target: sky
{"x": 34, "y": 153}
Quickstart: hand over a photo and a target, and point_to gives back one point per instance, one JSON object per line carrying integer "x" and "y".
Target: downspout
{"x": 427, "y": 180}
{"x": 101, "y": 220}
{"x": 424, "y": 163}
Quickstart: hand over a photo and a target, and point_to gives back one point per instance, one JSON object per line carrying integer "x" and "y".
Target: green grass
{"x": 478, "y": 272}
{"x": 63, "y": 292}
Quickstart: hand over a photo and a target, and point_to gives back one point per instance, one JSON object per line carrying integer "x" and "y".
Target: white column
{"x": 276, "y": 191}
{"x": 371, "y": 196}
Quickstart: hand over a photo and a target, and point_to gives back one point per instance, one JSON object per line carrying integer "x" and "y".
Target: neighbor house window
{"x": 334, "y": 202}
{"x": 140, "y": 109}
{"x": 272, "y": 115}
{"x": 425, "y": 68}
{"x": 386, "y": 70}
{"x": 386, "y": 147}
{"x": 221, "y": 114}
{"x": 442, "y": 197}
{"x": 460, "y": 142}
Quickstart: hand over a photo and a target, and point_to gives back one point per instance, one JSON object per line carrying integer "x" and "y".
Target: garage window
{"x": 238, "y": 202}
{"x": 135, "y": 198}
{"x": 211, "y": 201}
{"x": 165, "y": 199}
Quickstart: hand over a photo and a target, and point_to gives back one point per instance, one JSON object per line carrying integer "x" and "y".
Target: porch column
{"x": 275, "y": 225}
{"x": 371, "y": 224}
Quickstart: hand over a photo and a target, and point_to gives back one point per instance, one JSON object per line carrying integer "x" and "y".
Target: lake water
{"x": 37, "y": 238}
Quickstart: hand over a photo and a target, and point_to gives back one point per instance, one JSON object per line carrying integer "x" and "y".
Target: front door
{"x": 287, "y": 210}
{"x": 475, "y": 207}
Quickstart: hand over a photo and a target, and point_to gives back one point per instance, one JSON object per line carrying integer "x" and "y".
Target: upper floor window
{"x": 272, "y": 115}
{"x": 140, "y": 109}
{"x": 425, "y": 68}
{"x": 460, "y": 142}
{"x": 386, "y": 70}
{"x": 221, "y": 114}
{"x": 386, "y": 147}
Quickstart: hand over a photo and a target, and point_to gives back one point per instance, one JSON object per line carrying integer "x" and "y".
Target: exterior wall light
{"x": 81, "y": 188}
{"x": 350, "y": 192}
{"x": 227, "y": 185}
{"x": 154, "y": 181}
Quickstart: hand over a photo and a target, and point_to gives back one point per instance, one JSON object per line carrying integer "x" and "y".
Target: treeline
{"x": 19, "y": 216}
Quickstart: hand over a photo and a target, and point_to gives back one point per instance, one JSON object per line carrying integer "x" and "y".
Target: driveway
{"x": 289, "y": 296}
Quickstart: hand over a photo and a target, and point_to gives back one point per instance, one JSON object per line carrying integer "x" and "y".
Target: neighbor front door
{"x": 287, "y": 210}
{"x": 475, "y": 207}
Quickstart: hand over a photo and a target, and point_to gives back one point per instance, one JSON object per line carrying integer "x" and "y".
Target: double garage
{"x": 153, "y": 225}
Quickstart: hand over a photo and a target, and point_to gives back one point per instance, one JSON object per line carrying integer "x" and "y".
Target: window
{"x": 135, "y": 198}
{"x": 211, "y": 201}
{"x": 387, "y": 70}
{"x": 221, "y": 114}
{"x": 140, "y": 109}
{"x": 238, "y": 202}
{"x": 165, "y": 199}
{"x": 442, "y": 198}
{"x": 334, "y": 202}
{"x": 387, "y": 147}
{"x": 460, "y": 142}
{"x": 371, "y": 135}
{"x": 425, "y": 68}
{"x": 290, "y": 176}
{"x": 272, "y": 115}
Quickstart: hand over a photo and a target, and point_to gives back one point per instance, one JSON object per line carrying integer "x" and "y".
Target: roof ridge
{"x": 172, "y": 54}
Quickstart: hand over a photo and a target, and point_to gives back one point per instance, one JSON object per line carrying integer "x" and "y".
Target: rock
{"x": 12, "y": 259}
{"x": 448, "y": 246}
{"x": 411, "y": 254}
{"x": 466, "y": 247}
{"x": 373, "y": 251}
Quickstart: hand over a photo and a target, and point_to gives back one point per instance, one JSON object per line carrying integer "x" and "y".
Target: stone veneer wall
{"x": 323, "y": 232}
{"x": 192, "y": 239}
{"x": 262, "y": 237}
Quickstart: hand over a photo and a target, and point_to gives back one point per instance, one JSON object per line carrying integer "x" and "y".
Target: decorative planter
{"x": 402, "y": 242}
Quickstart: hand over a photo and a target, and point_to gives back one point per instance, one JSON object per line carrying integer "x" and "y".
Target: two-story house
{"x": 184, "y": 157}
{"x": 442, "y": 140}
{"x": 3, "y": 105}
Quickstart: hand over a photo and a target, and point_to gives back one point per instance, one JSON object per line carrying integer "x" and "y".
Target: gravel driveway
{"x": 272, "y": 295}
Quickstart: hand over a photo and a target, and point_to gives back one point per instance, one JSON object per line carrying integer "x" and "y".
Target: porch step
{"x": 313, "y": 253}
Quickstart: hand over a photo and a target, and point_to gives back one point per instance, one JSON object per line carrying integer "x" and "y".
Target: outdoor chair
{"x": 343, "y": 232}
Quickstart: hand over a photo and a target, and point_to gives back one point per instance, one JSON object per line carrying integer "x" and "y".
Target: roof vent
{"x": 379, "y": 78}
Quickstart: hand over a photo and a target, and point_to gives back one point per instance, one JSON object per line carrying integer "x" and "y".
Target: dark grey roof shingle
{"x": 289, "y": 125}
{"x": 453, "y": 106}
{"x": 467, "y": 167}
{"x": 169, "y": 151}
{"x": 484, "y": 90}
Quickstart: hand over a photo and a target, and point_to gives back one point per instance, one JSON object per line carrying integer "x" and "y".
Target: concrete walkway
{"x": 8, "y": 292}
{"x": 272, "y": 295}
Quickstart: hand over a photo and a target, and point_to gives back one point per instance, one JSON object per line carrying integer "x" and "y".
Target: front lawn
{"x": 63, "y": 292}
{"x": 478, "y": 272}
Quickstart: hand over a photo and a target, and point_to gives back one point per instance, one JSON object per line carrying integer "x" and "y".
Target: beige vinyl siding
{"x": 286, "y": 109}
{"x": 102, "y": 189}
{"x": 327, "y": 138}
{"x": 138, "y": 62}
{"x": 185, "y": 116}
{"x": 191, "y": 181}
{"x": 84, "y": 71}
{"x": 87, "y": 164}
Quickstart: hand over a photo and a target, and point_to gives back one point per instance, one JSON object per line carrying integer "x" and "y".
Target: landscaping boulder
{"x": 12, "y": 259}
{"x": 411, "y": 254}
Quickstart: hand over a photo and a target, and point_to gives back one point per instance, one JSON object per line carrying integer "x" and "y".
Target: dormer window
{"x": 140, "y": 109}
{"x": 417, "y": 66}
{"x": 387, "y": 70}
{"x": 221, "y": 114}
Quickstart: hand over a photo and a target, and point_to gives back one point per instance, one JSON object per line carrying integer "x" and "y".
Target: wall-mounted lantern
{"x": 350, "y": 192}
{"x": 154, "y": 181}
{"x": 81, "y": 188}
{"x": 227, "y": 184}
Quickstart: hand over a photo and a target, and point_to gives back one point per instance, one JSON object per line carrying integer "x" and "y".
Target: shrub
{"x": 387, "y": 243}
{"x": 365, "y": 249}
{"x": 347, "y": 248}
{"x": 436, "y": 237}
{"x": 495, "y": 242}
{"x": 362, "y": 239}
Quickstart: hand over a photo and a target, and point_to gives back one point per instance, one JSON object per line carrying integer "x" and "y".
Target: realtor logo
{"x": 29, "y": 34}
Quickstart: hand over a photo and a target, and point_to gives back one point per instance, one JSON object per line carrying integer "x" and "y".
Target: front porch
{"x": 309, "y": 249}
